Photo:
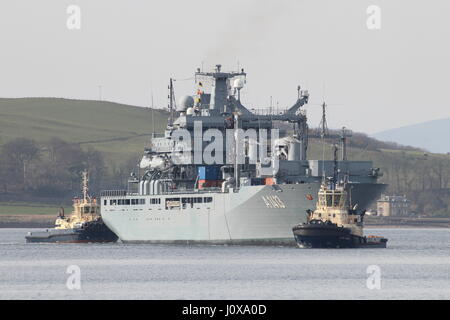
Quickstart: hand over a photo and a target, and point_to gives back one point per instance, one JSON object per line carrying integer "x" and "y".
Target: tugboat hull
{"x": 322, "y": 236}
{"x": 331, "y": 236}
{"x": 95, "y": 231}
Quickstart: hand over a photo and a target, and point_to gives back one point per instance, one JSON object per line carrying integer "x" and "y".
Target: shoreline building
{"x": 392, "y": 206}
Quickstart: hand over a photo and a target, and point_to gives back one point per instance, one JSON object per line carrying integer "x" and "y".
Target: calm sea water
{"x": 416, "y": 265}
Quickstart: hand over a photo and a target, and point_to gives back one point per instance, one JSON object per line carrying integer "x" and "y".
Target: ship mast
{"x": 323, "y": 133}
{"x": 171, "y": 102}
{"x": 85, "y": 186}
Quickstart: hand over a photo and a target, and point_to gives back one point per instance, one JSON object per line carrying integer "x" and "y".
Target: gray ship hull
{"x": 254, "y": 215}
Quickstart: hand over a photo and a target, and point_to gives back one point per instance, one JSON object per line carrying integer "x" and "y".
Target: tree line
{"x": 53, "y": 169}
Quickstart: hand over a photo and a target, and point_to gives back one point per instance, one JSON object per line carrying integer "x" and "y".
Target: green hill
{"x": 113, "y": 128}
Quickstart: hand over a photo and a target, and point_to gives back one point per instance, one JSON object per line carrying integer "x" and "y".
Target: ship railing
{"x": 264, "y": 111}
{"x": 173, "y": 192}
{"x": 192, "y": 191}
{"x": 113, "y": 193}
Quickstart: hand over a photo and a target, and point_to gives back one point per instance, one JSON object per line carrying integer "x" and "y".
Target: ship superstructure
{"x": 221, "y": 173}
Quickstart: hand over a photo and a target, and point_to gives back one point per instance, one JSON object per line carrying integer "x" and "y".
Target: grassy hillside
{"x": 116, "y": 129}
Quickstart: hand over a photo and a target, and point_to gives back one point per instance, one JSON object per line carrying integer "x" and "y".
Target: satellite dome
{"x": 190, "y": 111}
{"x": 238, "y": 84}
{"x": 185, "y": 103}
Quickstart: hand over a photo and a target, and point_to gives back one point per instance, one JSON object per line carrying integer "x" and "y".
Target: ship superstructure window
{"x": 173, "y": 203}
{"x": 125, "y": 202}
{"x": 207, "y": 199}
{"x": 195, "y": 200}
{"x": 155, "y": 201}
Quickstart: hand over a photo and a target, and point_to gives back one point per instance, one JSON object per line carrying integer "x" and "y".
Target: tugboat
{"x": 334, "y": 223}
{"x": 83, "y": 225}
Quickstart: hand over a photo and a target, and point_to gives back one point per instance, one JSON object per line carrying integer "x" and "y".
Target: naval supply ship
{"x": 180, "y": 196}
{"x": 84, "y": 224}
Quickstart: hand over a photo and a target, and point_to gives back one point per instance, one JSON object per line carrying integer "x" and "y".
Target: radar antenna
{"x": 323, "y": 122}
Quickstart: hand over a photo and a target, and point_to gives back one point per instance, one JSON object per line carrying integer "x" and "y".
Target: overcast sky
{"x": 377, "y": 79}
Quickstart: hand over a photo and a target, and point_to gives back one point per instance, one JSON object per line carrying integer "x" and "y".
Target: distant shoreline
{"x": 27, "y": 221}
{"x": 406, "y": 222}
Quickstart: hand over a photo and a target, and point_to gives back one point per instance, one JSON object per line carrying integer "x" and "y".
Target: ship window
{"x": 172, "y": 203}
{"x": 134, "y": 201}
{"x": 127, "y": 201}
{"x": 113, "y": 202}
{"x": 141, "y": 201}
{"x": 198, "y": 200}
{"x": 105, "y": 202}
{"x": 337, "y": 200}
{"x": 207, "y": 199}
{"x": 329, "y": 200}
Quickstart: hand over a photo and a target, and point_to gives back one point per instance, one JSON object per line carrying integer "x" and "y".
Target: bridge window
{"x": 337, "y": 199}
{"x": 329, "y": 200}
